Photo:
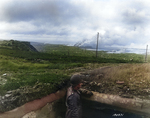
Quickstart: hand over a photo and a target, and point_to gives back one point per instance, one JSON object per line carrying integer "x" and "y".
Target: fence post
{"x": 97, "y": 43}
{"x": 146, "y": 53}
{"x": 68, "y": 53}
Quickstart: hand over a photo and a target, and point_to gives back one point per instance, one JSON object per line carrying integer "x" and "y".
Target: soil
{"x": 98, "y": 80}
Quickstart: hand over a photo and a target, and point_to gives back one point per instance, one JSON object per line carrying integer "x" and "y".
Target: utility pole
{"x": 146, "y": 53}
{"x": 97, "y": 44}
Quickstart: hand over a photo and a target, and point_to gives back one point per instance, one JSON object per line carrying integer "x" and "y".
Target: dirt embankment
{"x": 16, "y": 98}
{"x": 119, "y": 81}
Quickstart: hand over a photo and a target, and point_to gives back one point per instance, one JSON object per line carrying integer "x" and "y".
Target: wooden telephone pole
{"x": 146, "y": 53}
{"x": 97, "y": 44}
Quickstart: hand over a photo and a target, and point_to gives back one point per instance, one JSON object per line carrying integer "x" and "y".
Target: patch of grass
{"x": 126, "y": 79}
{"x": 131, "y": 74}
{"x": 55, "y": 64}
{"x": 30, "y": 79}
{"x": 78, "y": 57}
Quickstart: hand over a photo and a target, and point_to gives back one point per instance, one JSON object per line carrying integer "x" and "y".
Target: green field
{"x": 21, "y": 66}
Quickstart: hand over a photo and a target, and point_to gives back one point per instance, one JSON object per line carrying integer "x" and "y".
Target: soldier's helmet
{"x": 75, "y": 80}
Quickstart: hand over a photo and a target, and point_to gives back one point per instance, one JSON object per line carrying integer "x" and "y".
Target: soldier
{"x": 73, "y": 102}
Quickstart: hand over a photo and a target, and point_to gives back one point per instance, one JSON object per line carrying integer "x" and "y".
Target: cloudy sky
{"x": 124, "y": 23}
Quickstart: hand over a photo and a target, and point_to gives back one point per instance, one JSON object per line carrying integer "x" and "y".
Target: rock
{"x": 120, "y": 82}
{"x": 4, "y": 74}
{"x": 3, "y": 98}
{"x": 87, "y": 75}
{"x": 99, "y": 84}
{"x": 93, "y": 83}
{"x": 9, "y": 92}
{"x": 7, "y": 95}
{"x": 85, "y": 83}
{"x": 100, "y": 76}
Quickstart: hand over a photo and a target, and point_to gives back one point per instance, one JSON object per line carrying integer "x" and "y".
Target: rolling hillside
{"x": 41, "y": 73}
{"x": 17, "y": 45}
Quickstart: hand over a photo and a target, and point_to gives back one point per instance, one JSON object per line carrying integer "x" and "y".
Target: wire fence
{"x": 138, "y": 51}
{"x": 110, "y": 53}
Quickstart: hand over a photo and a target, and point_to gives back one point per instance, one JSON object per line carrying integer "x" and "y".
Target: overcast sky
{"x": 123, "y": 23}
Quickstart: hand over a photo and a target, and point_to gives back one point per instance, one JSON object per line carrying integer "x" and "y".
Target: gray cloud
{"x": 136, "y": 14}
{"x": 51, "y": 12}
{"x": 119, "y": 22}
{"x": 30, "y": 10}
{"x": 134, "y": 17}
{"x": 49, "y": 17}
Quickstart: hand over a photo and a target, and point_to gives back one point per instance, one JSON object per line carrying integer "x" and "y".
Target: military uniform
{"x": 73, "y": 103}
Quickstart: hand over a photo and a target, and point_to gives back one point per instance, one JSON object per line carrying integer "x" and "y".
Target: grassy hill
{"x": 17, "y": 45}
{"x": 25, "y": 66}
{"x": 82, "y": 55}
{"x": 22, "y": 66}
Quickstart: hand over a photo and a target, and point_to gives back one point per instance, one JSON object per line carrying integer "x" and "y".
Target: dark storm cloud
{"x": 41, "y": 12}
{"x": 28, "y": 10}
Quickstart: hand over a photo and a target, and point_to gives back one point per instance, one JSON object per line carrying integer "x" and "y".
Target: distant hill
{"x": 60, "y": 49}
{"x": 39, "y": 46}
{"x": 17, "y": 45}
{"x": 42, "y": 47}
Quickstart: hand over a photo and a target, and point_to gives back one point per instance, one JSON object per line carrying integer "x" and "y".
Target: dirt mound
{"x": 108, "y": 80}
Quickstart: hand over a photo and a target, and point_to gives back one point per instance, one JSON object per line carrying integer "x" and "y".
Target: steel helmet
{"x": 75, "y": 79}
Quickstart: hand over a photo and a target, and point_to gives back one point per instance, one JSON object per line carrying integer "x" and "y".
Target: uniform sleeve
{"x": 73, "y": 104}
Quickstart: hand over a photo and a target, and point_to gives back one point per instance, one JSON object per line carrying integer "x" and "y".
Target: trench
{"x": 91, "y": 109}
{"x": 53, "y": 106}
